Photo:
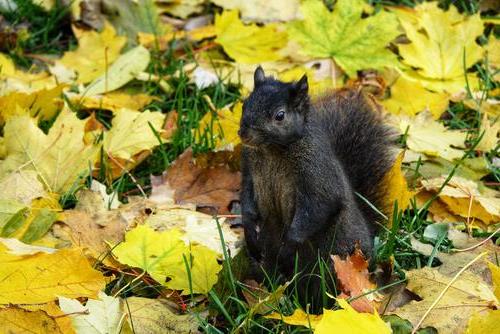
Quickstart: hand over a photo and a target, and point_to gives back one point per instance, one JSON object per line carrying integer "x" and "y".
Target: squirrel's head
{"x": 275, "y": 113}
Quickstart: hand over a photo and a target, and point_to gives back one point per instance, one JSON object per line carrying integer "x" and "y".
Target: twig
{"x": 129, "y": 174}
{"x": 444, "y": 291}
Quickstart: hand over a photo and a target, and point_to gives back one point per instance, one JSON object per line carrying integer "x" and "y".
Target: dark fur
{"x": 300, "y": 174}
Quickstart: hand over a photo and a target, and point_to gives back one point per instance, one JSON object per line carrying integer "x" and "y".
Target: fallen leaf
{"x": 220, "y": 128}
{"x": 495, "y": 277}
{"x": 16, "y": 320}
{"x": 159, "y": 254}
{"x": 182, "y": 9}
{"x": 202, "y": 273}
{"x": 22, "y": 186}
{"x": 483, "y": 322}
{"x": 41, "y": 278}
{"x": 438, "y": 41}
{"x": 95, "y": 53}
{"x": 214, "y": 187}
{"x": 131, "y": 133}
{"x": 354, "y": 42}
{"x": 263, "y": 10}
{"x": 97, "y": 316}
{"x": 113, "y": 101}
{"x": 353, "y": 277}
{"x": 198, "y": 228}
{"x": 348, "y": 320}
{"x": 467, "y": 295}
{"x": 423, "y": 134}
{"x": 410, "y": 97}
{"x": 16, "y": 247}
{"x": 490, "y": 133}
{"x": 60, "y": 159}
{"x": 298, "y": 318}
{"x": 396, "y": 188}
{"x": 122, "y": 71}
{"x": 155, "y": 316}
{"x": 42, "y": 104}
{"x": 249, "y": 44}
{"x": 464, "y": 198}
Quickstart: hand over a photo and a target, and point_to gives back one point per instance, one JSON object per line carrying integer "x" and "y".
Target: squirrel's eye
{"x": 280, "y": 115}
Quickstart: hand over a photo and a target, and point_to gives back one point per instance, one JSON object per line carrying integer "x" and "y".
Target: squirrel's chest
{"x": 274, "y": 190}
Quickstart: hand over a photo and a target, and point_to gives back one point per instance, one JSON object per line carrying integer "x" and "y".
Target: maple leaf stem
{"x": 444, "y": 291}
{"x": 478, "y": 244}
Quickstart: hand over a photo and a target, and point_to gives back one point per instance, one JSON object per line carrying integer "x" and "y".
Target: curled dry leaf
{"x": 353, "y": 276}
{"x": 213, "y": 187}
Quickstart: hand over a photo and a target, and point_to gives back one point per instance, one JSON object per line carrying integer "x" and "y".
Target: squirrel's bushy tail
{"x": 361, "y": 141}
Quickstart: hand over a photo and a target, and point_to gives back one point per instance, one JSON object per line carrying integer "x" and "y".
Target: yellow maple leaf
{"x": 96, "y": 51}
{"x": 439, "y": 40}
{"x": 159, "y": 254}
{"x": 113, "y": 101}
{"x": 248, "y": 44}
{"x": 484, "y": 322}
{"x": 348, "y": 320}
{"x": 17, "y": 320}
{"x": 423, "y": 134}
{"x": 354, "y": 42}
{"x": 202, "y": 273}
{"x": 493, "y": 49}
{"x": 495, "y": 277}
{"x": 396, "y": 188}
{"x": 61, "y": 159}
{"x": 42, "y": 104}
{"x": 410, "y": 97}
{"x": 41, "y": 278}
{"x": 222, "y": 127}
{"x": 181, "y": 9}
{"x": 162, "y": 254}
{"x": 12, "y": 80}
{"x": 131, "y": 133}
{"x": 489, "y": 139}
{"x": 464, "y": 198}
{"x": 298, "y": 318}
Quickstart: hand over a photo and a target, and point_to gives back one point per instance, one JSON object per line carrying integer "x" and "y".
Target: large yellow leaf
{"x": 41, "y": 278}
{"x": 96, "y": 51}
{"x": 263, "y": 10}
{"x": 425, "y": 135}
{"x": 410, "y": 97}
{"x": 248, "y": 44}
{"x": 159, "y": 254}
{"x": 60, "y": 159}
{"x": 131, "y": 133}
{"x": 467, "y": 295}
{"x": 484, "y": 322}
{"x": 439, "y": 40}
{"x": 348, "y": 320}
{"x": 113, "y": 101}
{"x": 495, "y": 277}
{"x": 42, "y": 104}
{"x": 16, "y": 320}
{"x": 202, "y": 272}
{"x": 163, "y": 255}
{"x": 463, "y": 197}
{"x": 298, "y": 318}
{"x": 355, "y": 43}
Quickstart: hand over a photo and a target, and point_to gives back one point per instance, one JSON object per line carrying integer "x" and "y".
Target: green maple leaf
{"x": 354, "y": 42}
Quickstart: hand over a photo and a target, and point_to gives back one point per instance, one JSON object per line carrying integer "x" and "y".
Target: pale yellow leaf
{"x": 263, "y": 10}
{"x": 41, "y": 278}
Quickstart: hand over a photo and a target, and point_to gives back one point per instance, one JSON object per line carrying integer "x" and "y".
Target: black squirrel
{"x": 302, "y": 163}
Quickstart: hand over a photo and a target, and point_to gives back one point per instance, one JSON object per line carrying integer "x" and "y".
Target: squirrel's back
{"x": 360, "y": 141}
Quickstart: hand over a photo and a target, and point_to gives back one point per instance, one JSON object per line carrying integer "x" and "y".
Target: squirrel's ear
{"x": 302, "y": 87}
{"x": 258, "y": 77}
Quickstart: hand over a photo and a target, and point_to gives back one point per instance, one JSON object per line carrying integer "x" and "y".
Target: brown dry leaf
{"x": 467, "y": 295}
{"x": 92, "y": 226}
{"x": 353, "y": 276}
{"x": 464, "y": 198}
{"x": 213, "y": 187}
